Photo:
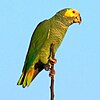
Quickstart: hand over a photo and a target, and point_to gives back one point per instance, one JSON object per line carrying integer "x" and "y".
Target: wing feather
{"x": 37, "y": 40}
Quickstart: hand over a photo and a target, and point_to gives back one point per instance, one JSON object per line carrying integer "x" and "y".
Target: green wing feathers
{"x": 32, "y": 66}
{"x": 38, "y": 38}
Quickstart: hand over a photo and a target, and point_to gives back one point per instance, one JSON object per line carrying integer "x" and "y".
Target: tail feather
{"x": 27, "y": 76}
{"x": 31, "y": 75}
{"x": 20, "y": 81}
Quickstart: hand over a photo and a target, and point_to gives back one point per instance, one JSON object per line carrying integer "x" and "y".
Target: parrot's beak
{"x": 78, "y": 19}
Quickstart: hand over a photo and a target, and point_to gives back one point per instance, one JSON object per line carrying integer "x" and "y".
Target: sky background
{"x": 78, "y": 67}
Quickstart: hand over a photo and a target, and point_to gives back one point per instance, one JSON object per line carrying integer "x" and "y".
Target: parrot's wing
{"x": 37, "y": 40}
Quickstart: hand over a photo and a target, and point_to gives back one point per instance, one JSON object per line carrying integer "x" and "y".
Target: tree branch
{"x": 52, "y": 72}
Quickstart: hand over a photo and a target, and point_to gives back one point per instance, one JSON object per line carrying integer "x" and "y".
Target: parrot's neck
{"x": 58, "y": 28}
{"x": 58, "y": 24}
{"x": 66, "y": 21}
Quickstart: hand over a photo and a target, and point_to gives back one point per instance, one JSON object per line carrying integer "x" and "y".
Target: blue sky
{"x": 78, "y": 67}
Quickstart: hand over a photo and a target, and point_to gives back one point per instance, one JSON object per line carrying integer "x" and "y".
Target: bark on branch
{"x": 52, "y": 71}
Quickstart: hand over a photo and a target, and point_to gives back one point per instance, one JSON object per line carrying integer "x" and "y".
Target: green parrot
{"x": 47, "y": 32}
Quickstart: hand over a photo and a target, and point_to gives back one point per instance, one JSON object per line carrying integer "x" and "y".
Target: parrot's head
{"x": 69, "y": 16}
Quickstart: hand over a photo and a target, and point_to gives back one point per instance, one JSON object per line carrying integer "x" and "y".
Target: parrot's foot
{"x": 53, "y": 61}
{"x": 47, "y": 67}
{"x": 52, "y": 72}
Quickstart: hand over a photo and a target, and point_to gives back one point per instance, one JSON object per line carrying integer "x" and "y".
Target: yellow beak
{"x": 78, "y": 19}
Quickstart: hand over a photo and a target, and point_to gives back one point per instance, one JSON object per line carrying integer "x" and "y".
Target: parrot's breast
{"x": 55, "y": 35}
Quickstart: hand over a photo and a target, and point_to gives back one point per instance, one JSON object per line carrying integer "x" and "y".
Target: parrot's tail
{"x": 27, "y": 77}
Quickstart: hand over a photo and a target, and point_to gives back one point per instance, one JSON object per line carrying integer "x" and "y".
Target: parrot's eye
{"x": 73, "y": 12}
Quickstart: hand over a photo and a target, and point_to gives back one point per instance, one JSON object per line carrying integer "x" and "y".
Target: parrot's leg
{"x": 52, "y": 72}
{"x": 47, "y": 67}
{"x": 53, "y": 61}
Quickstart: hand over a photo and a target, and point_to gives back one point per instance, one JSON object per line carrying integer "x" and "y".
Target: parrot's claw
{"x": 53, "y": 61}
{"x": 47, "y": 67}
{"x": 52, "y": 73}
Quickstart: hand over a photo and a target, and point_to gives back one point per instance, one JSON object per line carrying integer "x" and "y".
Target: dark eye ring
{"x": 73, "y": 12}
